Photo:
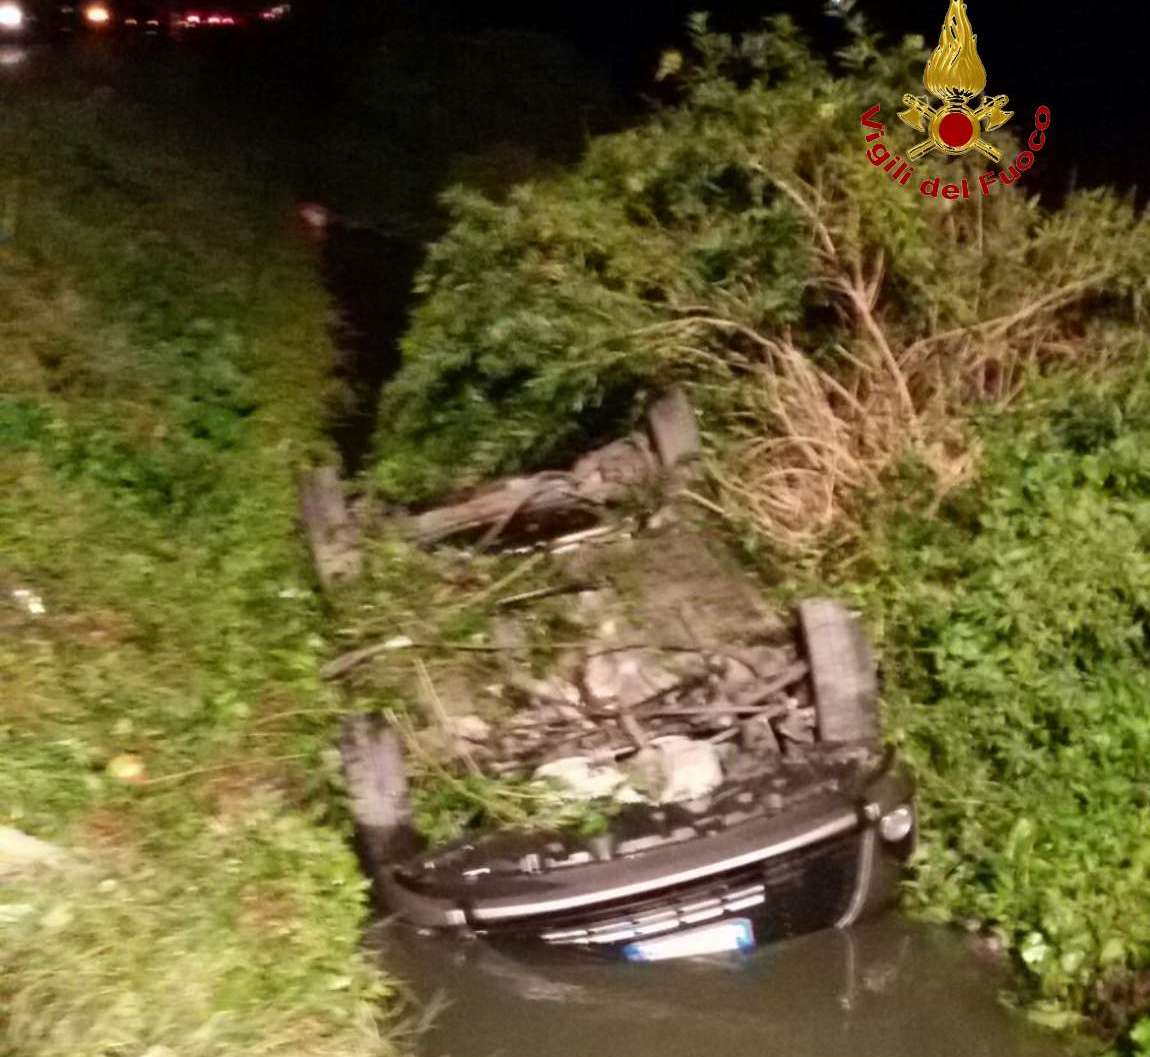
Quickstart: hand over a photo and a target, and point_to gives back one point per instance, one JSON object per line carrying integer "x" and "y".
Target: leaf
{"x": 670, "y": 63}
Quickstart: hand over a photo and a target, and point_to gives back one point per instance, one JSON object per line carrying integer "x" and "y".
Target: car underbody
{"x": 787, "y": 842}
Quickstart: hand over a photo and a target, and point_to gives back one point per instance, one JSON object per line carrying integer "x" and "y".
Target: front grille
{"x": 789, "y": 894}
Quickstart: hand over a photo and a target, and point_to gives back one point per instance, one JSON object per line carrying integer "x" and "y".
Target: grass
{"x": 1014, "y": 624}
{"x": 166, "y": 370}
{"x": 231, "y": 945}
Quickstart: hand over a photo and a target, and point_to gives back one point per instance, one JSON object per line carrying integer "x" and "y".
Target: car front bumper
{"x": 826, "y": 863}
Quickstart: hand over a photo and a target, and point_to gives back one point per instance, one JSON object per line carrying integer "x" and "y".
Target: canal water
{"x": 370, "y": 276}
{"x": 888, "y": 988}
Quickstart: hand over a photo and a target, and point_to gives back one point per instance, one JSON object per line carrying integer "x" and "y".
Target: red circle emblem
{"x": 956, "y": 130}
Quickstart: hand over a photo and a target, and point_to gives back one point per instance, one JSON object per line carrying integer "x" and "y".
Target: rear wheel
{"x": 842, "y": 671}
{"x": 376, "y": 778}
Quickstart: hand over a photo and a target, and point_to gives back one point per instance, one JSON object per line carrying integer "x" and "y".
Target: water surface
{"x": 884, "y": 989}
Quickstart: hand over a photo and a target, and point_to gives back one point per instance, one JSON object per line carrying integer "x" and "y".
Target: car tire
{"x": 843, "y": 673}
{"x": 376, "y": 779}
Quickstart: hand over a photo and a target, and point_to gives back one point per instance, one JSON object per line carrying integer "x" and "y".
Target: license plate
{"x": 733, "y": 935}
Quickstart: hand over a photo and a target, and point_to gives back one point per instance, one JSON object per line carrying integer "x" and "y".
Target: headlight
{"x": 97, "y": 14}
{"x": 11, "y": 16}
{"x": 896, "y": 825}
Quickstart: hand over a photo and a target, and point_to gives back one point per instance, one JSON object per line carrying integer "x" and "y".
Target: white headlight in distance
{"x": 11, "y": 16}
{"x": 897, "y": 824}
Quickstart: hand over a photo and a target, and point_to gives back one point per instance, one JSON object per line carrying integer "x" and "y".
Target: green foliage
{"x": 1140, "y": 1036}
{"x": 199, "y": 953}
{"x": 527, "y": 343}
{"x": 722, "y": 233}
{"x": 1015, "y": 633}
{"x": 166, "y": 358}
{"x": 446, "y": 807}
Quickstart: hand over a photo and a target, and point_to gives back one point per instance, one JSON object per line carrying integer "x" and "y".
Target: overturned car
{"x": 806, "y": 825}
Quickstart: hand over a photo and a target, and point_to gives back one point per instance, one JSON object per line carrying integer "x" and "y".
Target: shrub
{"x": 740, "y": 243}
{"x": 1015, "y": 631}
{"x": 961, "y": 386}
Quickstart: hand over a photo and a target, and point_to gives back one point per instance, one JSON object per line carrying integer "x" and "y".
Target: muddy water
{"x": 370, "y": 276}
{"x": 885, "y": 989}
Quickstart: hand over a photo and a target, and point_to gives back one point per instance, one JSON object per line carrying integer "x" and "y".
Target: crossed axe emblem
{"x": 923, "y": 117}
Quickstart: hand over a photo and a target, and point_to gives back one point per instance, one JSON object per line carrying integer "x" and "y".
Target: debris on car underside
{"x": 729, "y": 759}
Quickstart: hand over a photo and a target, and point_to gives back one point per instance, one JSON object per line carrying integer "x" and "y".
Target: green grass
{"x": 166, "y": 362}
{"x": 1014, "y": 626}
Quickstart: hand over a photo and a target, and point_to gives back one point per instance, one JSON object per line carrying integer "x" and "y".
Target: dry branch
{"x": 599, "y": 479}
{"x": 331, "y": 534}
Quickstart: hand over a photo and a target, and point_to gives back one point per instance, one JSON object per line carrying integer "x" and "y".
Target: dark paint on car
{"x": 748, "y": 867}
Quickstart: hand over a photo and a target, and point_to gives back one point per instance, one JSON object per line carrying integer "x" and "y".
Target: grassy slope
{"x": 1014, "y": 629}
{"x": 165, "y": 359}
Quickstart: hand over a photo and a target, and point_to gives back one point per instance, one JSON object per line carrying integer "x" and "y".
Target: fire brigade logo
{"x": 954, "y": 76}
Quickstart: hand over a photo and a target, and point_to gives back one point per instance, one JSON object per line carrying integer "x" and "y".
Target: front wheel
{"x": 376, "y": 779}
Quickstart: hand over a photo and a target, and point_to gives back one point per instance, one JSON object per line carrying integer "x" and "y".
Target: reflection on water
{"x": 885, "y": 989}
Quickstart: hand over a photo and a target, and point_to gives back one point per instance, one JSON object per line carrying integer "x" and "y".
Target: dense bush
{"x": 1015, "y": 629}
{"x": 742, "y": 236}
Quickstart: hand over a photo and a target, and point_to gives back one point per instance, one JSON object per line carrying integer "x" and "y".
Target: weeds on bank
{"x": 740, "y": 244}
{"x": 1013, "y": 626}
{"x": 165, "y": 364}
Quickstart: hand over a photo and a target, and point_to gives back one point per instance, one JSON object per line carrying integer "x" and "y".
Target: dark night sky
{"x": 1090, "y": 63}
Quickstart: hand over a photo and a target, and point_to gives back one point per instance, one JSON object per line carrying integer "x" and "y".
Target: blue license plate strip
{"x": 734, "y": 934}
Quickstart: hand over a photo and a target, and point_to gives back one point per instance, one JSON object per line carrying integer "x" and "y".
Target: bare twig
{"x": 520, "y": 570}
{"x": 705, "y": 503}
{"x": 631, "y": 726}
{"x": 348, "y": 661}
{"x": 859, "y": 299}
{"x": 1001, "y": 324}
{"x": 718, "y": 711}
{"x": 264, "y": 720}
{"x": 543, "y": 592}
{"x": 812, "y": 215}
{"x": 791, "y": 674}
{"x": 238, "y": 765}
{"x": 724, "y": 735}
{"x": 439, "y": 714}
{"x": 353, "y": 659}
{"x": 444, "y": 773}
